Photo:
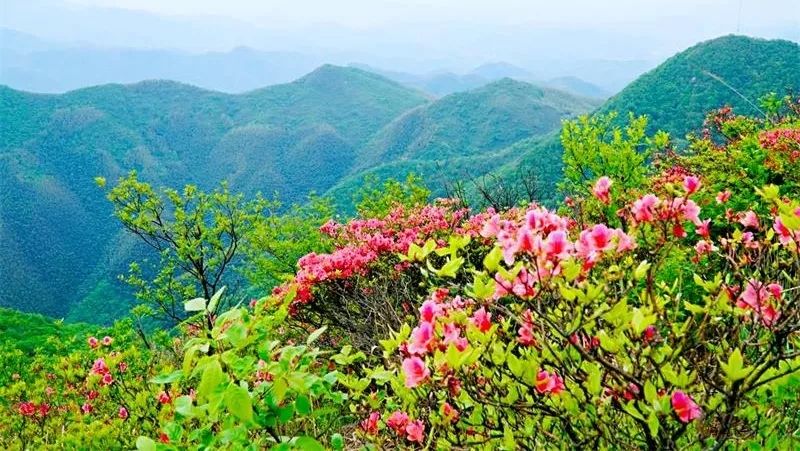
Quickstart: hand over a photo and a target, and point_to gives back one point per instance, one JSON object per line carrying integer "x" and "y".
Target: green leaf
{"x": 214, "y": 301}
{"x": 238, "y": 402}
{"x": 306, "y": 443}
{"x": 303, "y": 405}
{"x": 167, "y": 378}
{"x": 315, "y": 335}
{"x": 195, "y": 305}
{"x": 492, "y": 260}
{"x": 145, "y": 444}
{"x": 337, "y": 441}
{"x": 650, "y": 393}
{"x": 183, "y": 405}
{"x": 212, "y": 377}
{"x": 641, "y": 271}
{"x": 734, "y": 369}
{"x": 652, "y": 424}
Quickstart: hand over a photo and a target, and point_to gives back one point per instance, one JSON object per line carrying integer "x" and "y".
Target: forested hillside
{"x": 728, "y": 71}
{"x": 58, "y": 234}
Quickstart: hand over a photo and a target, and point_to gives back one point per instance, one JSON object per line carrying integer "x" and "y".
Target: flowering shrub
{"x": 672, "y": 324}
{"x": 362, "y": 288}
{"x": 96, "y": 397}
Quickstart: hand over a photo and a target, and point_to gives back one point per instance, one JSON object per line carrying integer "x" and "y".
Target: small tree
{"x": 199, "y": 236}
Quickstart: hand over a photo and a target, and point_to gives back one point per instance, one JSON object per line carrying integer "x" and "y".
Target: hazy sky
{"x": 412, "y": 35}
{"x": 370, "y": 13}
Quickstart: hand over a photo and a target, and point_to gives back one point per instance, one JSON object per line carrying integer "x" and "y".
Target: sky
{"x": 376, "y": 13}
{"x": 410, "y": 35}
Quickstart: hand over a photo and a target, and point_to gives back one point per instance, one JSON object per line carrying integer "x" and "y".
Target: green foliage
{"x": 374, "y": 200}
{"x": 199, "y": 236}
{"x": 281, "y": 238}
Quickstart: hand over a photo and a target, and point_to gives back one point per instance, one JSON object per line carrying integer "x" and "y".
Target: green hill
{"x": 463, "y": 135}
{"x": 58, "y": 235}
{"x": 677, "y": 94}
{"x": 730, "y": 70}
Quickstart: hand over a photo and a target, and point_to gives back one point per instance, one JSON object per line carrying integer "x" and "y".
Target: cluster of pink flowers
{"x": 30, "y": 409}
{"x": 549, "y": 383}
{"x": 402, "y": 424}
{"x": 542, "y": 238}
{"x": 361, "y": 242}
{"x": 761, "y": 299}
{"x": 784, "y": 140}
{"x": 94, "y": 342}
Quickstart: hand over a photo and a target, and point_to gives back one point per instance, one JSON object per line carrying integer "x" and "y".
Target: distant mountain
{"x": 464, "y": 134}
{"x": 577, "y": 86}
{"x": 29, "y": 64}
{"x": 731, "y": 70}
{"x": 498, "y": 70}
{"x": 481, "y": 120}
{"x": 59, "y": 241}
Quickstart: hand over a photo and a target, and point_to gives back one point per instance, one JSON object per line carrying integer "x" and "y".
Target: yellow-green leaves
{"x": 237, "y": 401}
{"x": 641, "y": 271}
{"x": 735, "y": 369}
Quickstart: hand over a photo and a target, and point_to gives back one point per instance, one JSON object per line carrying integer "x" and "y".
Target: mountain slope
{"x": 58, "y": 236}
{"x": 677, "y": 94}
{"x": 473, "y": 122}
{"x": 682, "y": 89}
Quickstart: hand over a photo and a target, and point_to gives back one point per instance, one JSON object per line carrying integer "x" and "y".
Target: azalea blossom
{"x": 123, "y": 413}
{"x": 644, "y": 208}
{"x": 370, "y": 424}
{"x": 600, "y": 189}
{"x": 723, "y": 196}
{"x": 398, "y": 421}
{"x": 683, "y": 405}
{"x": 415, "y": 371}
{"x": 482, "y": 319}
{"x": 691, "y": 184}
{"x": 750, "y": 220}
{"x": 549, "y": 383}
{"x": 421, "y": 339}
{"x": 415, "y": 431}
{"x": 107, "y": 341}
{"x": 93, "y": 342}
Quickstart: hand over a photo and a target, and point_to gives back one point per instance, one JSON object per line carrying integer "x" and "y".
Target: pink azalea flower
{"x": 164, "y": 398}
{"x": 703, "y": 228}
{"x": 26, "y": 409}
{"x": 482, "y": 319}
{"x": 689, "y": 210}
{"x": 123, "y": 413}
{"x": 398, "y": 421}
{"x": 704, "y": 247}
{"x": 87, "y": 408}
{"x": 107, "y": 379}
{"x": 429, "y": 310}
{"x": 370, "y": 424}
{"x": 644, "y": 209}
{"x": 624, "y": 241}
{"x": 122, "y": 367}
{"x": 549, "y": 383}
{"x": 691, "y": 184}
{"x": 557, "y": 244}
{"x": 107, "y": 341}
{"x": 93, "y": 342}
{"x": 750, "y": 220}
{"x": 683, "y": 405}
{"x": 452, "y": 335}
{"x": 600, "y": 189}
{"x": 421, "y": 339}
{"x": 415, "y": 371}
{"x": 785, "y": 235}
{"x": 415, "y": 431}
{"x": 100, "y": 367}
{"x": 723, "y": 196}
